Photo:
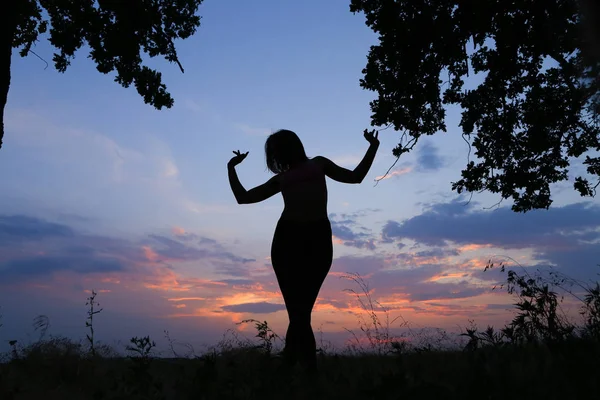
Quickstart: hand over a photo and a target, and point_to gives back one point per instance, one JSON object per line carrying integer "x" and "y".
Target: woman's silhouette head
{"x": 284, "y": 150}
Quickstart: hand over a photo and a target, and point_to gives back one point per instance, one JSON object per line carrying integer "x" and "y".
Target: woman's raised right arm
{"x": 357, "y": 175}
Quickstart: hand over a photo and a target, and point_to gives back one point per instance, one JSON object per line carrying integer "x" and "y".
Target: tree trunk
{"x": 8, "y": 25}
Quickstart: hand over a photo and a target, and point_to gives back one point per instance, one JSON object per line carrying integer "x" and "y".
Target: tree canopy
{"x": 118, "y": 33}
{"x": 536, "y": 110}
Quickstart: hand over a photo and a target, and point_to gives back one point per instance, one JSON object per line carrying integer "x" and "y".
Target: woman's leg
{"x": 301, "y": 256}
{"x": 282, "y": 259}
{"x": 316, "y": 267}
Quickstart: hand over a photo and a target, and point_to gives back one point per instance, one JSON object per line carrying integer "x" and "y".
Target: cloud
{"x": 41, "y": 266}
{"x": 353, "y": 216}
{"x": 205, "y": 240}
{"x": 428, "y": 158}
{"x": 171, "y": 249}
{"x": 147, "y": 175}
{"x": 344, "y": 232}
{"x": 362, "y": 265}
{"x": 69, "y": 217}
{"x": 181, "y": 234}
{"x": 97, "y": 156}
{"x": 33, "y": 248}
{"x": 580, "y": 262}
{"x": 438, "y": 253}
{"x": 21, "y": 227}
{"x": 397, "y": 282}
{"x": 239, "y": 283}
{"x": 457, "y": 223}
{"x": 255, "y": 308}
{"x": 151, "y": 270}
{"x": 169, "y": 168}
{"x": 345, "y": 228}
{"x": 253, "y": 131}
{"x": 566, "y": 237}
{"x": 402, "y": 170}
{"x": 445, "y": 291}
{"x": 361, "y": 244}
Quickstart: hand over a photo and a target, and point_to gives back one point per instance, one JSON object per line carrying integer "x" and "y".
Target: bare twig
{"x": 35, "y": 54}
{"x": 404, "y": 149}
{"x": 497, "y": 205}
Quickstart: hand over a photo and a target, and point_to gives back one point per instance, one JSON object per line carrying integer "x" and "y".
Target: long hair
{"x": 283, "y": 150}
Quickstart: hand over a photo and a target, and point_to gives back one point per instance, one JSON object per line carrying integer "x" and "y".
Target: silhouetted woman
{"x": 302, "y": 248}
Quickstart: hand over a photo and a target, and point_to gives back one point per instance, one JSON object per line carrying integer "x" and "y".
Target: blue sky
{"x": 100, "y": 190}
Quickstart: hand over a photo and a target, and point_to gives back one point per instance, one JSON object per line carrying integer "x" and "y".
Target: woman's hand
{"x": 238, "y": 158}
{"x": 371, "y": 137}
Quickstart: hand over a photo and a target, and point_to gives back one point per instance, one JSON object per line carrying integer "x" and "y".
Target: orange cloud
{"x": 170, "y": 282}
{"x": 97, "y": 291}
{"x": 247, "y": 297}
{"x": 430, "y": 260}
{"x": 212, "y": 307}
{"x": 398, "y": 172}
{"x": 446, "y": 275}
{"x": 187, "y": 299}
{"x": 472, "y": 247}
{"x": 214, "y": 314}
{"x": 159, "y": 278}
{"x": 178, "y": 231}
{"x": 474, "y": 263}
{"x": 150, "y": 254}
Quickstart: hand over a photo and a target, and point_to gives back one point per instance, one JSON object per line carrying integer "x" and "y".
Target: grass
{"x": 57, "y": 370}
{"x": 539, "y": 355}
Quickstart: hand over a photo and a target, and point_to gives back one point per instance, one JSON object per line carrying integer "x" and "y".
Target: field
{"x": 539, "y": 355}
{"x": 57, "y": 369}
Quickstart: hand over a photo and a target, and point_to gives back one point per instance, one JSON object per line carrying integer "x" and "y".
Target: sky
{"x": 101, "y": 191}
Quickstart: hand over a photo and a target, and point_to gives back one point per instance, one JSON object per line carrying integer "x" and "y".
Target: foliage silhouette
{"x": 264, "y": 333}
{"x": 536, "y": 110}
{"x": 539, "y": 316}
{"x": 117, "y": 33}
{"x": 89, "y": 323}
{"x": 591, "y": 312}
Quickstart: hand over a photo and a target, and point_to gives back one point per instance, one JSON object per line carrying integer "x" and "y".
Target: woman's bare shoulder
{"x": 276, "y": 178}
{"x": 319, "y": 160}
{"x": 323, "y": 162}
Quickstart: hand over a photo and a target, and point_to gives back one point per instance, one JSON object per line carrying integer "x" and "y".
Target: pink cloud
{"x": 397, "y": 172}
